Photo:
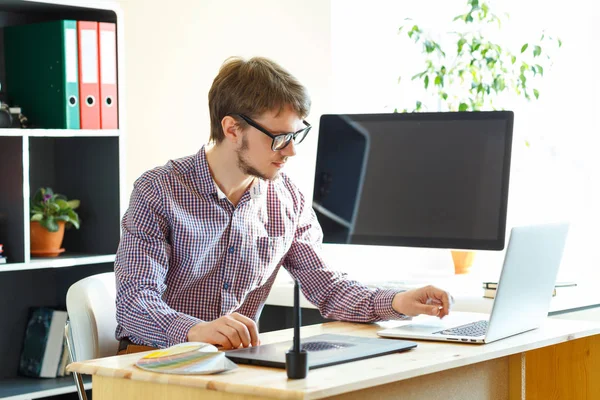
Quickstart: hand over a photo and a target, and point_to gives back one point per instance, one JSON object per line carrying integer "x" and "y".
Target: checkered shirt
{"x": 188, "y": 255}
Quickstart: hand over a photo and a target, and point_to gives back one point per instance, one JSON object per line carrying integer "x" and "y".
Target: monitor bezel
{"x": 498, "y": 243}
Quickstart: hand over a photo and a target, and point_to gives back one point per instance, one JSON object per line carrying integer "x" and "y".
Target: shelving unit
{"x": 82, "y": 164}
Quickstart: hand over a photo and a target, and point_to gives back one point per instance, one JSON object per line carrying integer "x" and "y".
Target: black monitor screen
{"x": 420, "y": 179}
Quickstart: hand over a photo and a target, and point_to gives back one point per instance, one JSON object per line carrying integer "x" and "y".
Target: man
{"x": 205, "y": 235}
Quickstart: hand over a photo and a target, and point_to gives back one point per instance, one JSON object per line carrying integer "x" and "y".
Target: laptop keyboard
{"x": 473, "y": 329}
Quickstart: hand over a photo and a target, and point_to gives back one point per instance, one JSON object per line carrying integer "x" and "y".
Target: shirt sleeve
{"x": 141, "y": 265}
{"x": 336, "y": 296}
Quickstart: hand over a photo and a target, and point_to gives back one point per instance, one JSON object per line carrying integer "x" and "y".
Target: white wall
{"x": 174, "y": 50}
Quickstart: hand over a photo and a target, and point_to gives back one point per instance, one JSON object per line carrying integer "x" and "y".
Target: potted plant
{"x": 468, "y": 69}
{"x": 50, "y": 214}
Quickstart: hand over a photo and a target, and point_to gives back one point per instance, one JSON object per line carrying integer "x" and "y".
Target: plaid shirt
{"x": 188, "y": 255}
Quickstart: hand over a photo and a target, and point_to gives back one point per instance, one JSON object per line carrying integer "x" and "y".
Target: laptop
{"x": 523, "y": 295}
{"x": 323, "y": 350}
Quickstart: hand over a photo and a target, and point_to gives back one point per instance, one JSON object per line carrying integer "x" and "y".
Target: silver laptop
{"x": 523, "y": 295}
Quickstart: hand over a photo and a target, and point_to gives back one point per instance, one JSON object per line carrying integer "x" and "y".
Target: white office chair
{"x": 90, "y": 330}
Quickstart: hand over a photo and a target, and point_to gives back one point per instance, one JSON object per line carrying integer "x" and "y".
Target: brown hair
{"x": 253, "y": 87}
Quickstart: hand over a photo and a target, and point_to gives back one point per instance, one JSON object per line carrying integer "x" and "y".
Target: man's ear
{"x": 231, "y": 129}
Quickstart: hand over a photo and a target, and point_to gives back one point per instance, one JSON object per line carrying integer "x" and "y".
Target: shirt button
{"x": 226, "y": 286}
{"x": 231, "y": 250}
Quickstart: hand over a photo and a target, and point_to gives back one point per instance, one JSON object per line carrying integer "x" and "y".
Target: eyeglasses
{"x": 282, "y": 140}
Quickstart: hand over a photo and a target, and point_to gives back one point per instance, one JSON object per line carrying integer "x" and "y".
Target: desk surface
{"x": 427, "y": 358}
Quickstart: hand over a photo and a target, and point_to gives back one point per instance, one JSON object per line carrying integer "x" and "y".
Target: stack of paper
{"x": 187, "y": 359}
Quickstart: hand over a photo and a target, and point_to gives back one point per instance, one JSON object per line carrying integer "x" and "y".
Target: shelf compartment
{"x": 27, "y": 289}
{"x": 86, "y": 169}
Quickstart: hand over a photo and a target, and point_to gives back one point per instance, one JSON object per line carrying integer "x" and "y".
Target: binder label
{"x": 108, "y": 59}
{"x": 71, "y": 55}
{"x": 89, "y": 56}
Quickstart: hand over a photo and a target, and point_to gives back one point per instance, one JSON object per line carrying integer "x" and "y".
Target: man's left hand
{"x": 428, "y": 300}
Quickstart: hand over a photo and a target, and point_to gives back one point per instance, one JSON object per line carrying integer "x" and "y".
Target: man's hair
{"x": 252, "y": 87}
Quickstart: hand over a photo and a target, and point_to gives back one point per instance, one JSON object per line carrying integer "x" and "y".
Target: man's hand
{"x": 230, "y": 331}
{"x": 427, "y": 300}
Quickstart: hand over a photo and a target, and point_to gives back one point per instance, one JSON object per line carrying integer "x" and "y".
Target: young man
{"x": 205, "y": 235}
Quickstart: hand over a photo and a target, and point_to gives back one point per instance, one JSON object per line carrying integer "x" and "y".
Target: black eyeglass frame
{"x": 287, "y": 136}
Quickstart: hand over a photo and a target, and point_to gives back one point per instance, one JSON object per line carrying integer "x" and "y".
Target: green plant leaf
{"x": 537, "y": 50}
{"x": 460, "y": 44}
{"x": 37, "y": 217}
{"x": 419, "y": 105}
{"x": 536, "y": 93}
{"x": 426, "y": 81}
{"x": 559, "y": 43}
{"x": 62, "y": 204}
{"x": 540, "y": 69}
{"x": 438, "y": 81}
{"x": 524, "y": 48}
{"x": 513, "y": 59}
{"x": 463, "y": 107}
{"x": 50, "y": 224}
{"x": 523, "y": 78}
{"x": 73, "y": 204}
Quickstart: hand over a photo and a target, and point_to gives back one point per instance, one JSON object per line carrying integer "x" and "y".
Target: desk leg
{"x": 566, "y": 371}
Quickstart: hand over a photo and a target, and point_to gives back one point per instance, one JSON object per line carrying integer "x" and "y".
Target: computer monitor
{"x": 414, "y": 179}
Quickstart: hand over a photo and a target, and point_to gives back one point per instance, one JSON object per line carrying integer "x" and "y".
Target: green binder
{"x": 42, "y": 73}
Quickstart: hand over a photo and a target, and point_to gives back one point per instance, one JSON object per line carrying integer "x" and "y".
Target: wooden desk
{"x": 561, "y": 360}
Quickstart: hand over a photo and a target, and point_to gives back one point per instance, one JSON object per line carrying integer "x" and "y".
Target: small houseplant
{"x": 50, "y": 214}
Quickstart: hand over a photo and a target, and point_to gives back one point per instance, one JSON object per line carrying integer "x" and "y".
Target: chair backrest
{"x": 92, "y": 315}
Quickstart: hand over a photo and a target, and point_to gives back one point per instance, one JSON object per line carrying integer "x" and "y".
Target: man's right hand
{"x": 230, "y": 332}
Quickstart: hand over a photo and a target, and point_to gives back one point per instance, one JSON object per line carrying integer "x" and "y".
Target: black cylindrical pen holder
{"x": 296, "y": 364}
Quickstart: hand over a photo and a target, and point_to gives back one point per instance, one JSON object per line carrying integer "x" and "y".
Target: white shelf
{"x": 67, "y": 260}
{"x": 59, "y": 132}
{"x": 23, "y": 388}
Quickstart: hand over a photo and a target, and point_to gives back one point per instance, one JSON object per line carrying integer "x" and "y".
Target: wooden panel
{"x": 516, "y": 364}
{"x": 487, "y": 380}
{"x": 105, "y": 388}
{"x": 569, "y": 371}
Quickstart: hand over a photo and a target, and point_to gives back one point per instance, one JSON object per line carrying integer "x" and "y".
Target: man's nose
{"x": 290, "y": 149}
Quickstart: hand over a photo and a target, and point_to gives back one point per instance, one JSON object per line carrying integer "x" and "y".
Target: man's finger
{"x": 222, "y": 340}
{"x": 232, "y": 334}
{"x": 241, "y": 329}
{"x": 251, "y": 325}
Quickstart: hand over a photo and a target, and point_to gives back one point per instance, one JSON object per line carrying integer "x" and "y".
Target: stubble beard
{"x": 244, "y": 164}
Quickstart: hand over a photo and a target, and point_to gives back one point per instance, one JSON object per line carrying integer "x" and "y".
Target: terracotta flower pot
{"x": 45, "y": 243}
{"x": 463, "y": 261}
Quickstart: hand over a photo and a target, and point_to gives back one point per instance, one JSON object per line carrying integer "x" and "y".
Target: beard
{"x": 244, "y": 163}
